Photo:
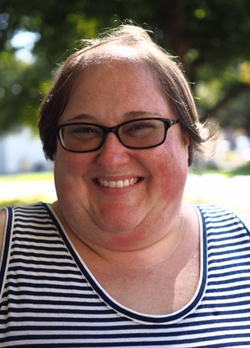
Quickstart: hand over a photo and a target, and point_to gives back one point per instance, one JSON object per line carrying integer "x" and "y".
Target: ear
{"x": 185, "y": 139}
{"x": 186, "y": 143}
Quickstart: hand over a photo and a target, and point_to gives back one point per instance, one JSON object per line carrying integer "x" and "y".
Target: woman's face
{"x": 109, "y": 95}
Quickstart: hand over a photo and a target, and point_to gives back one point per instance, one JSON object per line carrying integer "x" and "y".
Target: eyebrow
{"x": 83, "y": 117}
{"x": 127, "y": 116}
{"x": 138, "y": 114}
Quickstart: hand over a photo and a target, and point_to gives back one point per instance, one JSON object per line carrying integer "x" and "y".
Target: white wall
{"x": 21, "y": 151}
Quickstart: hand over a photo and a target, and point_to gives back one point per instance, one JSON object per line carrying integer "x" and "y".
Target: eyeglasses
{"x": 143, "y": 133}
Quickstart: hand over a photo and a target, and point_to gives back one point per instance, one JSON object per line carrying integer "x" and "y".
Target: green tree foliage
{"x": 211, "y": 39}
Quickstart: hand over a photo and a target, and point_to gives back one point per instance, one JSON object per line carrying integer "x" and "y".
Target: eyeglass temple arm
{"x": 172, "y": 122}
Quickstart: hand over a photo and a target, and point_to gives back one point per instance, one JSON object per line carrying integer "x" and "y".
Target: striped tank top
{"x": 49, "y": 299}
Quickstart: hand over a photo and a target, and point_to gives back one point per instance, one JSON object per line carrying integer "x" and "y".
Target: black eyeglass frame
{"x": 167, "y": 124}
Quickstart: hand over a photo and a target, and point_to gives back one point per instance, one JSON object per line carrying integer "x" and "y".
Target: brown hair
{"x": 141, "y": 49}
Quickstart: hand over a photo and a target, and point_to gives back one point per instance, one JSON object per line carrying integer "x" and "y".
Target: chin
{"x": 118, "y": 226}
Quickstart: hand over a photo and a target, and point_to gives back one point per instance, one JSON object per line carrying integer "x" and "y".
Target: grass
{"x": 244, "y": 170}
{"x": 27, "y": 177}
{"x": 15, "y": 202}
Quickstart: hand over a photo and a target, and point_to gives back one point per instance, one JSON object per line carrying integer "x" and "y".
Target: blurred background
{"x": 211, "y": 41}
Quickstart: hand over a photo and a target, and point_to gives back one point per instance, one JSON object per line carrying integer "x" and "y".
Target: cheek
{"x": 170, "y": 170}
{"x": 69, "y": 170}
{"x": 69, "y": 163}
{"x": 69, "y": 181}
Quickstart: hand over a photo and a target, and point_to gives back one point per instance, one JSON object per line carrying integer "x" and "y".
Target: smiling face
{"x": 115, "y": 195}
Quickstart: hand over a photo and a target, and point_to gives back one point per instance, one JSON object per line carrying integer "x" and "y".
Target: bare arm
{"x": 2, "y": 227}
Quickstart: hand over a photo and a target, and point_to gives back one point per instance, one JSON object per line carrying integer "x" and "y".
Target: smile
{"x": 118, "y": 183}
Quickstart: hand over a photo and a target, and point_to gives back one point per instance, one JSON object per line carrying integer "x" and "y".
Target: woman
{"x": 120, "y": 260}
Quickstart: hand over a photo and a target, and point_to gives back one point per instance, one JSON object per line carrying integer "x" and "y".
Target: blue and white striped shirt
{"x": 49, "y": 299}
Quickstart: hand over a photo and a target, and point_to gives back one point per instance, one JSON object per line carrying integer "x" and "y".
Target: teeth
{"x": 119, "y": 183}
{"x": 126, "y": 183}
{"x": 112, "y": 184}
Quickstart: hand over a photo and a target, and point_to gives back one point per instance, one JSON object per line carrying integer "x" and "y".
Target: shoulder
{"x": 2, "y": 228}
{"x": 218, "y": 212}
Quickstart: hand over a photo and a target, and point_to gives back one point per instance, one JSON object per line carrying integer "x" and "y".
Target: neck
{"x": 153, "y": 251}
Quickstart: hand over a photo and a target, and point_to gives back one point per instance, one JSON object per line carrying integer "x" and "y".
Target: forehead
{"x": 117, "y": 87}
{"x": 117, "y": 75}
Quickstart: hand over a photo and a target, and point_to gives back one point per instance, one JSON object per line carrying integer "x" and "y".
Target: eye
{"x": 140, "y": 127}
{"x": 83, "y": 129}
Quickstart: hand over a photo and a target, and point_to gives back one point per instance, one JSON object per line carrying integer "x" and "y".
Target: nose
{"x": 112, "y": 155}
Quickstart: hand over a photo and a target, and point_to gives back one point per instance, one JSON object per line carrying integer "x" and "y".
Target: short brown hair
{"x": 171, "y": 80}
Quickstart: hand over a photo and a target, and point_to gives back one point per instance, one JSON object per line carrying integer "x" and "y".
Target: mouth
{"x": 118, "y": 183}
